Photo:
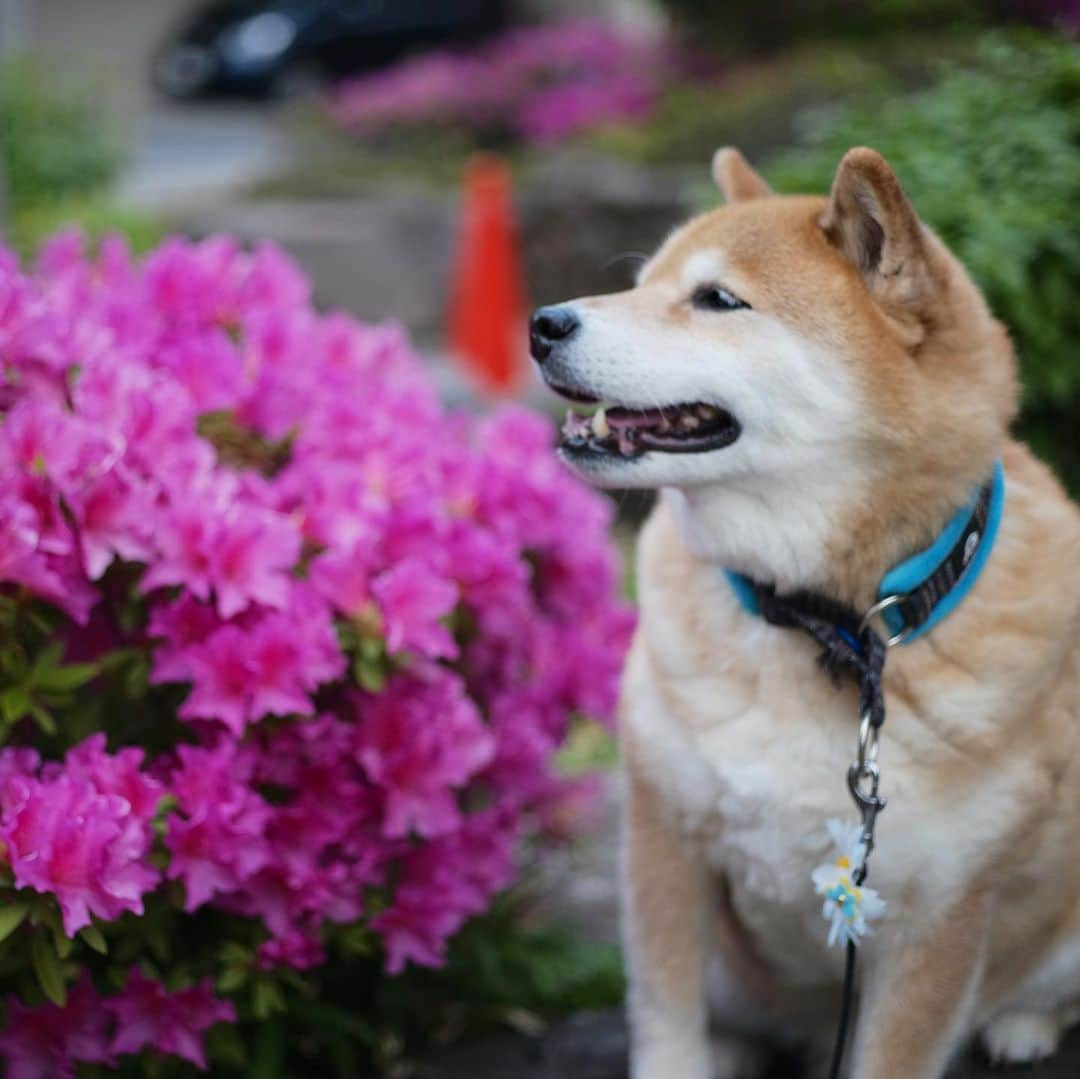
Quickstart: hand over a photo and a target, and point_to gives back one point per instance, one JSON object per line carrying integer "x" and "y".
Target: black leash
{"x": 846, "y": 1003}
{"x": 849, "y": 646}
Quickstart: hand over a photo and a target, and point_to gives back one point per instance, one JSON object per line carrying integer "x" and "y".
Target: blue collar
{"x": 916, "y": 595}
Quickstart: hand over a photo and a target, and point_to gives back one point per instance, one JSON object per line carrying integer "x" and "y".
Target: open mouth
{"x": 628, "y": 432}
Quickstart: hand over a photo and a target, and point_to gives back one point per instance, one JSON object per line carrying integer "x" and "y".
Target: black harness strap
{"x": 847, "y": 646}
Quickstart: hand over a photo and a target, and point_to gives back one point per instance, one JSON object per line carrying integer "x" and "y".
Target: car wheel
{"x": 184, "y": 71}
{"x": 300, "y": 80}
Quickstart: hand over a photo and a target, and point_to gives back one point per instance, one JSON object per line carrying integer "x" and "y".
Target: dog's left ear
{"x": 735, "y": 178}
{"x": 872, "y": 222}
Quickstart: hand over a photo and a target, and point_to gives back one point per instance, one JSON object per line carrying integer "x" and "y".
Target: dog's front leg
{"x": 666, "y": 903}
{"x": 920, "y": 993}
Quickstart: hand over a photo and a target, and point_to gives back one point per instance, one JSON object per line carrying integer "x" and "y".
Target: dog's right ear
{"x": 872, "y": 222}
{"x": 735, "y": 178}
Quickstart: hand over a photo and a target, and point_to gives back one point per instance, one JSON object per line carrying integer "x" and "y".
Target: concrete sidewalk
{"x": 593, "y": 1046}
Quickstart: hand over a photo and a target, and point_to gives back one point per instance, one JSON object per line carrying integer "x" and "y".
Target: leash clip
{"x": 879, "y": 608}
{"x": 863, "y": 779}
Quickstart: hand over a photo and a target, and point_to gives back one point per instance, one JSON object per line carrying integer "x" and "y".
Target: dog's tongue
{"x": 624, "y": 417}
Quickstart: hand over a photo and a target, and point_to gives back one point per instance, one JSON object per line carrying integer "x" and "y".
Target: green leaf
{"x": 11, "y": 917}
{"x": 48, "y": 660}
{"x": 47, "y": 968}
{"x": 157, "y": 940}
{"x": 372, "y": 648}
{"x": 232, "y": 978}
{"x": 43, "y": 719}
{"x": 225, "y": 1046}
{"x": 233, "y": 952}
{"x": 267, "y": 999}
{"x": 14, "y": 703}
{"x": 62, "y": 943}
{"x": 269, "y": 1058}
{"x": 65, "y": 679}
{"x": 370, "y": 676}
{"x": 93, "y": 936}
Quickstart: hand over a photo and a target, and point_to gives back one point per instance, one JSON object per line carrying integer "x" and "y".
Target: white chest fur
{"x": 752, "y": 781}
{"x": 749, "y": 741}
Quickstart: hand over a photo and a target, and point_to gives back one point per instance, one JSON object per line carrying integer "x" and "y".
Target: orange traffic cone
{"x": 487, "y": 302}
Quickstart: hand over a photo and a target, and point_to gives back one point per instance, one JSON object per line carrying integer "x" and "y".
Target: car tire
{"x": 299, "y": 80}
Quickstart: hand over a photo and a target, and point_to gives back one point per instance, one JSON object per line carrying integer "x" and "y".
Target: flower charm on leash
{"x": 848, "y": 907}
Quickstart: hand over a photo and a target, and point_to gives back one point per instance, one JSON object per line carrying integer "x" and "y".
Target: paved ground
{"x": 593, "y": 1046}
{"x": 580, "y": 891}
{"x": 185, "y": 155}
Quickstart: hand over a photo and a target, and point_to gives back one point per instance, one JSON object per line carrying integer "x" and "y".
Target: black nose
{"x": 549, "y": 326}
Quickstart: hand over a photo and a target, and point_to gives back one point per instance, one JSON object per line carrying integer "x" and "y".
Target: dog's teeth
{"x": 691, "y": 423}
{"x": 707, "y": 412}
{"x": 664, "y": 424}
{"x": 600, "y": 426}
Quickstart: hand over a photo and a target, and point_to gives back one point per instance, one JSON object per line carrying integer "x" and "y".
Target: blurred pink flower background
{"x": 541, "y": 84}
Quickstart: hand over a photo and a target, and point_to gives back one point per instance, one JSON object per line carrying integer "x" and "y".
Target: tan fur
{"x": 736, "y": 744}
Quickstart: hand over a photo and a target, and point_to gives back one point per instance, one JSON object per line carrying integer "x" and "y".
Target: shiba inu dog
{"x": 816, "y": 387}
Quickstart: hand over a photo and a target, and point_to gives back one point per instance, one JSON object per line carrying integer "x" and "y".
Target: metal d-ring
{"x": 880, "y": 608}
{"x": 868, "y": 745}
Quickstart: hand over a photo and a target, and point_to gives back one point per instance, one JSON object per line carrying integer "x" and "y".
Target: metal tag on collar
{"x": 878, "y": 611}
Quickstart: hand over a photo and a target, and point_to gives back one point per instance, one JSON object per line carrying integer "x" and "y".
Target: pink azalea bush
{"x": 541, "y": 84}
{"x": 286, "y": 648}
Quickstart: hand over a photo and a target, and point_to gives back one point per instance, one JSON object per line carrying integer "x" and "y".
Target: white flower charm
{"x": 847, "y": 907}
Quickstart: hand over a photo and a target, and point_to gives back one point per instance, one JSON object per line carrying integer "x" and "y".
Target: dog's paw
{"x": 1021, "y": 1037}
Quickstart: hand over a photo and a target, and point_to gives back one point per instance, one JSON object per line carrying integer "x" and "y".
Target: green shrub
{"x": 753, "y": 104}
{"x": 991, "y": 157}
{"x": 95, "y": 216}
{"x": 738, "y": 25}
{"x": 54, "y": 143}
{"x": 59, "y": 154}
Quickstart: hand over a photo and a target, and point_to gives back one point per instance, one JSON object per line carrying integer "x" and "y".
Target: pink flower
{"x": 342, "y": 577}
{"x": 251, "y": 557}
{"x": 182, "y": 625}
{"x": 113, "y": 515}
{"x": 543, "y": 82}
{"x": 334, "y": 489}
{"x": 269, "y": 665}
{"x": 293, "y": 950}
{"x": 21, "y": 559}
{"x": 46, "y": 1042}
{"x": 119, "y": 773}
{"x": 444, "y": 882}
{"x": 17, "y": 761}
{"x": 222, "y": 673}
{"x": 217, "y": 839}
{"x": 420, "y": 741}
{"x": 186, "y": 536}
{"x": 206, "y": 363}
{"x": 413, "y": 599}
{"x": 150, "y": 1017}
{"x": 87, "y": 848}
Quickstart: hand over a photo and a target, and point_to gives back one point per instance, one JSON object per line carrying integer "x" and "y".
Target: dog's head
{"x": 793, "y": 354}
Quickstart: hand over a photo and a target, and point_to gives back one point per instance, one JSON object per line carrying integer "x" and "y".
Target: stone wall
{"x": 388, "y": 254}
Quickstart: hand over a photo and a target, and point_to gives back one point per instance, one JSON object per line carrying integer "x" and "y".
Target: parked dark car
{"x": 259, "y": 47}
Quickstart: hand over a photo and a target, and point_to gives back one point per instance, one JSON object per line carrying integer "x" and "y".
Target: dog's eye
{"x": 715, "y": 298}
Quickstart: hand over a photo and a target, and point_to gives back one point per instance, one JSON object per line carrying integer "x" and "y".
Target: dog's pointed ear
{"x": 872, "y": 222}
{"x": 735, "y": 178}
